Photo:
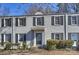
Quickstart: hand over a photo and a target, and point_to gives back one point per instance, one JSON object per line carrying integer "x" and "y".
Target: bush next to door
{"x": 58, "y": 44}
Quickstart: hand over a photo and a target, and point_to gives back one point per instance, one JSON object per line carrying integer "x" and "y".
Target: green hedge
{"x": 58, "y": 44}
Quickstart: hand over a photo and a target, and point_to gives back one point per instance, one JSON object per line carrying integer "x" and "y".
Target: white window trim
{"x": 59, "y": 20}
{"x": 55, "y": 36}
{"x": 36, "y": 21}
{"x": 76, "y": 21}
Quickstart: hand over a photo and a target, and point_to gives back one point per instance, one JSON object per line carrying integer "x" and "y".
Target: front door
{"x": 38, "y": 39}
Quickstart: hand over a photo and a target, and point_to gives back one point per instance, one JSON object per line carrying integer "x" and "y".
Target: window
{"x": 6, "y": 22}
{"x": 57, "y": 36}
{"x": 73, "y": 36}
{"x": 20, "y": 22}
{"x": 38, "y": 21}
{"x": 57, "y": 20}
{"x": 22, "y": 37}
{"x": 8, "y": 37}
{"x": 74, "y": 20}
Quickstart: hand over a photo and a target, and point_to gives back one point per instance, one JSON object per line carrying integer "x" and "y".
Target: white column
{"x": 4, "y": 22}
{"x": 34, "y": 41}
{"x": 13, "y": 30}
{"x": 66, "y": 27}
{"x": 4, "y": 38}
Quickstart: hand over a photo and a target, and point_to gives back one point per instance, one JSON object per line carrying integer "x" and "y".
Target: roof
{"x": 41, "y": 14}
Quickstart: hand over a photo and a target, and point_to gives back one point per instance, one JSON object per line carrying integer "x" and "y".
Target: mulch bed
{"x": 39, "y": 52}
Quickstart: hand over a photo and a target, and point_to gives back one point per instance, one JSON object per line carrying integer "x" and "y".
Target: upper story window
{"x": 6, "y": 22}
{"x": 38, "y": 21}
{"x": 57, "y": 20}
{"x": 72, "y": 20}
{"x": 20, "y": 22}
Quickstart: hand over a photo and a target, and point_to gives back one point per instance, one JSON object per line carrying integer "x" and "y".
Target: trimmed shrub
{"x": 69, "y": 43}
{"x": 51, "y": 45}
{"x": 8, "y": 46}
{"x": 61, "y": 44}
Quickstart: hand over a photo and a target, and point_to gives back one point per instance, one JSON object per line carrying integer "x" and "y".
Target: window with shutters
{"x": 73, "y": 36}
{"x": 57, "y": 20}
{"x": 8, "y": 37}
{"x": 38, "y": 21}
{"x": 72, "y": 20}
{"x": 6, "y": 22}
{"x": 57, "y": 36}
{"x": 20, "y": 22}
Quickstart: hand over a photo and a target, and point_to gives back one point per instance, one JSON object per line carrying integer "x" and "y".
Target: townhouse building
{"x": 37, "y": 29}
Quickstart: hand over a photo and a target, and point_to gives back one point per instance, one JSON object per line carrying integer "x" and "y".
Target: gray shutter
{"x": 61, "y": 19}
{"x": 52, "y": 20}
{"x": 52, "y": 35}
{"x": 34, "y": 21}
{"x": 78, "y": 20}
{"x": 69, "y": 20}
{"x": 69, "y": 36}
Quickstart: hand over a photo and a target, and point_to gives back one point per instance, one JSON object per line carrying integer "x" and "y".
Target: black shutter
{"x": 2, "y": 22}
{"x": 61, "y": 19}
{"x": 24, "y": 21}
{"x": 78, "y": 20}
{"x": 16, "y": 23}
{"x": 16, "y": 38}
{"x": 52, "y": 20}
{"x": 52, "y": 35}
{"x": 2, "y": 39}
{"x": 34, "y": 21}
{"x": 42, "y": 20}
{"x": 69, "y": 20}
{"x": 69, "y": 36}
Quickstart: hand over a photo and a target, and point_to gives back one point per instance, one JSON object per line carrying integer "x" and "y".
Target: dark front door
{"x": 38, "y": 38}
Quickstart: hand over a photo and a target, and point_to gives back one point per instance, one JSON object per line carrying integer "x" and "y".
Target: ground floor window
{"x": 20, "y": 37}
{"x": 73, "y": 36}
{"x": 8, "y": 37}
{"x": 57, "y": 36}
